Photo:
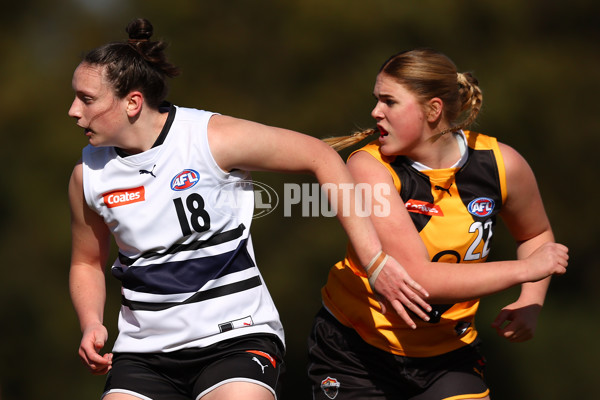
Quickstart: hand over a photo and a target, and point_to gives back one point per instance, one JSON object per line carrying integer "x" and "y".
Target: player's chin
{"x": 96, "y": 141}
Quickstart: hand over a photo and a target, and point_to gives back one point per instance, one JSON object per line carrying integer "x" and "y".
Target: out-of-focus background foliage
{"x": 306, "y": 65}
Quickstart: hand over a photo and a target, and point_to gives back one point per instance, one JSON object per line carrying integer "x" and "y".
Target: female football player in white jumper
{"x": 171, "y": 185}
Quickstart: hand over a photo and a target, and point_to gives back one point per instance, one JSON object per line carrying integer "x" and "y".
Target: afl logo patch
{"x": 481, "y": 206}
{"x": 185, "y": 180}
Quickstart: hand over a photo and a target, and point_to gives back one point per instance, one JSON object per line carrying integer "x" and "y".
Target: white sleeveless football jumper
{"x": 182, "y": 227}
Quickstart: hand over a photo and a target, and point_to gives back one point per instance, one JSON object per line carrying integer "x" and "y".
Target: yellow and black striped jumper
{"x": 454, "y": 210}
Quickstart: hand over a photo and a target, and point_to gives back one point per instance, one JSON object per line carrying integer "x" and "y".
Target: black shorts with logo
{"x": 191, "y": 373}
{"x": 343, "y": 366}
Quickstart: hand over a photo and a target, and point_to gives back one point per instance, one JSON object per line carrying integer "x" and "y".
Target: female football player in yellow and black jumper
{"x": 450, "y": 184}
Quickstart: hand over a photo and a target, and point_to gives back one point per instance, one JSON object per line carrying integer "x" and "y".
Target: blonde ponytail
{"x": 341, "y": 142}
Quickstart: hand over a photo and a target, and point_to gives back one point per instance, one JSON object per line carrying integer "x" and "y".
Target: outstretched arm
{"x": 241, "y": 144}
{"x": 446, "y": 283}
{"x": 89, "y": 251}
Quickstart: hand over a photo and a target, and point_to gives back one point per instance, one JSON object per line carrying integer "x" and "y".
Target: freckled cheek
{"x": 398, "y": 121}
{"x": 409, "y": 118}
{"x": 108, "y": 125}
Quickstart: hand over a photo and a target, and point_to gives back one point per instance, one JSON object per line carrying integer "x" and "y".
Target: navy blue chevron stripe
{"x": 197, "y": 297}
{"x": 183, "y": 276}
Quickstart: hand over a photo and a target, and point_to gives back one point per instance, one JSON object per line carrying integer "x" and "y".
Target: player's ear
{"x": 434, "y": 109}
{"x": 135, "y": 100}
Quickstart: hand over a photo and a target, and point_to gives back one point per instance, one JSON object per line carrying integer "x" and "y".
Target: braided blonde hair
{"x": 471, "y": 99}
{"x": 341, "y": 142}
{"x": 428, "y": 74}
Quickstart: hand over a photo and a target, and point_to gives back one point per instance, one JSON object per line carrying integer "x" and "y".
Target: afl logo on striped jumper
{"x": 185, "y": 180}
{"x": 481, "y": 206}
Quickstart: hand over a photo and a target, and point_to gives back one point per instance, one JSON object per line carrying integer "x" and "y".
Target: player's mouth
{"x": 86, "y": 130}
{"x": 382, "y": 132}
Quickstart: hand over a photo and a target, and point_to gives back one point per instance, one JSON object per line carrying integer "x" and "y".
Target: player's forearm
{"x": 534, "y": 292}
{"x": 452, "y": 283}
{"x": 340, "y": 187}
{"x": 460, "y": 282}
{"x": 88, "y": 294}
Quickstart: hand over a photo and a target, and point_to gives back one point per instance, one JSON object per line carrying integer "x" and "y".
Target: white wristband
{"x": 373, "y": 276}
{"x": 373, "y": 261}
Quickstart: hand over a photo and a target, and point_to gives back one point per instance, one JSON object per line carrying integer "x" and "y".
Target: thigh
{"x": 251, "y": 366}
{"x": 123, "y": 396}
{"x": 239, "y": 390}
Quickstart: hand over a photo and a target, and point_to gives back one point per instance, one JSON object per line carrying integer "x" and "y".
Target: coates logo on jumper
{"x": 123, "y": 197}
{"x": 481, "y": 206}
{"x": 330, "y": 387}
{"x": 185, "y": 180}
{"x": 423, "y": 207}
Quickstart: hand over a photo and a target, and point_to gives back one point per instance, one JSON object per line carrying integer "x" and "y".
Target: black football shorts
{"x": 190, "y": 373}
{"x": 344, "y": 367}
